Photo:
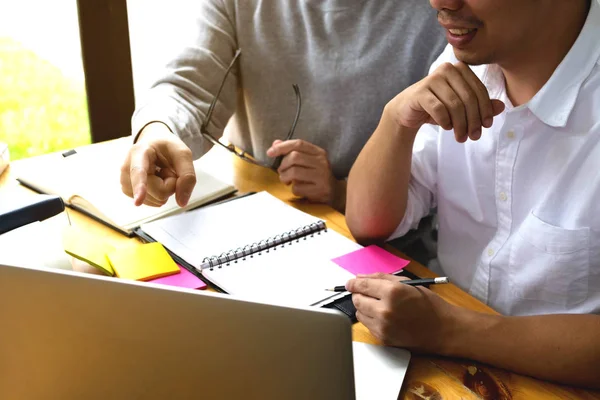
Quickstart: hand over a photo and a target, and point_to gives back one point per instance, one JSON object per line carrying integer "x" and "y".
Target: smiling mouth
{"x": 461, "y": 32}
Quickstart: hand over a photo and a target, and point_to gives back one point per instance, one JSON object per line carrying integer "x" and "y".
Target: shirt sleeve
{"x": 180, "y": 98}
{"x": 422, "y": 187}
{"x": 423, "y": 180}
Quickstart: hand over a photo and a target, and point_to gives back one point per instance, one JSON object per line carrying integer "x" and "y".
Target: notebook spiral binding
{"x": 264, "y": 245}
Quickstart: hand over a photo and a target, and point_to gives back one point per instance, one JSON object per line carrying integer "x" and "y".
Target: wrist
{"x": 390, "y": 123}
{"x": 153, "y": 130}
{"x": 466, "y": 332}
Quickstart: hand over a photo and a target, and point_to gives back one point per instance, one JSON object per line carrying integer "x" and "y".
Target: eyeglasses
{"x": 239, "y": 152}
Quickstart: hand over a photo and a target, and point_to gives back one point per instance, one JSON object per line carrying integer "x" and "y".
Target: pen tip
{"x": 330, "y": 290}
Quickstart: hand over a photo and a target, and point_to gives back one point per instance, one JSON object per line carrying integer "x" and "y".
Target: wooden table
{"x": 428, "y": 377}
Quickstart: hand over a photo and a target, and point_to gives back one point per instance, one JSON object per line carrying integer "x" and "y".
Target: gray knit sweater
{"x": 349, "y": 58}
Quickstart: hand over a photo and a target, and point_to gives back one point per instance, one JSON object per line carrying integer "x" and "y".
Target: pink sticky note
{"x": 185, "y": 279}
{"x": 369, "y": 260}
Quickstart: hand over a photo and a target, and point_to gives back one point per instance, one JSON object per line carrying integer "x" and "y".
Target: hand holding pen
{"x": 413, "y": 282}
{"x": 402, "y": 315}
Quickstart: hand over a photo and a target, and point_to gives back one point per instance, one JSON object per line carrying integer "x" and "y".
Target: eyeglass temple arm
{"x": 298, "y": 109}
{"x": 216, "y": 97}
{"x": 290, "y": 134}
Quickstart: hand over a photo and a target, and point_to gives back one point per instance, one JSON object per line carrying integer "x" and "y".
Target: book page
{"x": 218, "y": 229}
{"x": 296, "y": 274}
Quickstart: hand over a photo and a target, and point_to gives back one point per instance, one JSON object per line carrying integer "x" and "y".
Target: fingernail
{"x": 361, "y": 275}
{"x": 186, "y": 197}
{"x": 270, "y": 152}
{"x": 488, "y": 122}
{"x": 476, "y": 135}
{"x": 137, "y": 193}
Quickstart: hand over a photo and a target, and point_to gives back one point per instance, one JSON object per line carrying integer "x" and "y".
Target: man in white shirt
{"x": 508, "y": 150}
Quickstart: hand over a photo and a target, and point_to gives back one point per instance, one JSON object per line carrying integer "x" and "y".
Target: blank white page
{"x": 213, "y": 230}
{"x": 295, "y": 274}
{"x": 378, "y": 371}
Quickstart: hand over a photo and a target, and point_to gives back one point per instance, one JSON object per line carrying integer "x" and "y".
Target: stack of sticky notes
{"x": 370, "y": 260}
{"x": 85, "y": 247}
{"x": 141, "y": 262}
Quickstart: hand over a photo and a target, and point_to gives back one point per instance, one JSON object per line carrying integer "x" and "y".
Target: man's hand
{"x": 452, "y": 97}
{"x": 402, "y": 315}
{"x": 306, "y": 167}
{"x": 157, "y": 166}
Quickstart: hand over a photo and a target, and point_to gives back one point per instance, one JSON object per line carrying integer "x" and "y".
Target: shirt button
{"x": 503, "y": 196}
{"x": 510, "y": 134}
{"x": 490, "y": 252}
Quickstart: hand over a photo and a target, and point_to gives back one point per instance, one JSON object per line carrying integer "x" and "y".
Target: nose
{"x": 451, "y": 5}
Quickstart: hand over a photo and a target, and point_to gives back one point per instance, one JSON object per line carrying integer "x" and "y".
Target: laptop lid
{"x": 67, "y": 336}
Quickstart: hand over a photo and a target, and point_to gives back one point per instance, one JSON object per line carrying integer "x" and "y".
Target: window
{"x": 43, "y": 105}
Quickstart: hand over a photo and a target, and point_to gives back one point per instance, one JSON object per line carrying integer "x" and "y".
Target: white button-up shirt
{"x": 519, "y": 209}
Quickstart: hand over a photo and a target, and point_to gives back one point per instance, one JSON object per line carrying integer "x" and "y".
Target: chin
{"x": 471, "y": 57}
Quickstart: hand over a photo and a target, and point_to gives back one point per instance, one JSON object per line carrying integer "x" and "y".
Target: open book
{"x": 87, "y": 179}
{"x": 258, "y": 247}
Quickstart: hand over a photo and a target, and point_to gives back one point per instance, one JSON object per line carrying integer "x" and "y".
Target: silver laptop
{"x": 68, "y": 336}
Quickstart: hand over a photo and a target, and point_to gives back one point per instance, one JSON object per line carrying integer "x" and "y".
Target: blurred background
{"x": 43, "y": 104}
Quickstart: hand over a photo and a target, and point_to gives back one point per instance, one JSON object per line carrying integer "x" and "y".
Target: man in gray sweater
{"x": 348, "y": 58}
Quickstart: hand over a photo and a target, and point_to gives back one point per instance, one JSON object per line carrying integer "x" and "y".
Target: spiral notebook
{"x": 258, "y": 248}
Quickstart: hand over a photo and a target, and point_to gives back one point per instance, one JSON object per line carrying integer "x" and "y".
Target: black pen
{"x": 413, "y": 282}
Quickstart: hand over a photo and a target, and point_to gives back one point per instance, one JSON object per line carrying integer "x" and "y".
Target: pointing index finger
{"x": 138, "y": 172}
{"x": 183, "y": 164}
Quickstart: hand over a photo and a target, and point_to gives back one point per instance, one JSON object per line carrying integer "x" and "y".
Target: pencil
{"x": 414, "y": 282}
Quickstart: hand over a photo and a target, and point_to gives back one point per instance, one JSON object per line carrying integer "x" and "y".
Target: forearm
{"x": 378, "y": 181}
{"x": 562, "y": 348}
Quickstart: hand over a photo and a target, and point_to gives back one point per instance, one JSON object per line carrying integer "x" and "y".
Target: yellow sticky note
{"x": 142, "y": 263}
{"x": 88, "y": 248}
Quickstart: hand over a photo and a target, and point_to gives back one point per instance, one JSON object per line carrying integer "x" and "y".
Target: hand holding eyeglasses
{"x": 306, "y": 167}
{"x": 158, "y": 166}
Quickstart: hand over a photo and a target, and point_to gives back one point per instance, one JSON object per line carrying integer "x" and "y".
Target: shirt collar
{"x": 554, "y": 103}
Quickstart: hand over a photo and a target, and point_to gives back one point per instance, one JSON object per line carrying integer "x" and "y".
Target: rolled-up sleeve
{"x": 181, "y": 97}
{"x": 423, "y": 180}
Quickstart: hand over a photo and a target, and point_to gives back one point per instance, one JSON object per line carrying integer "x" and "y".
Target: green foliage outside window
{"x": 41, "y": 110}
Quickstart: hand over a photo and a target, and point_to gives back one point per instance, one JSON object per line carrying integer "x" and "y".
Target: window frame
{"x": 106, "y": 56}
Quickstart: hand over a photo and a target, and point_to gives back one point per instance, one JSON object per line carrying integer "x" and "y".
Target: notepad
{"x": 258, "y": 248}
{"x": 142, "y": 263}
{"x": 184, "y": 279}
{"x": 370, "y": 260}
{"x": 89, "y": 248}
{"x": 88, "y": 180}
